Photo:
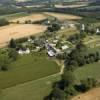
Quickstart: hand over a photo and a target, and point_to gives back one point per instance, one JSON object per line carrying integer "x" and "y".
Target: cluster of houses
{"x": 53, "y": 49}
{"x": 50, "y": 47}
{"x": 83, "y": 27}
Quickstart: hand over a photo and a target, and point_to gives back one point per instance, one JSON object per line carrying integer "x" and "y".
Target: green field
{"x": 14, "y": 16}
{"x": 34, "y": 90}
{"x": 28, "y": 68}
{"x": 91, "y": 70}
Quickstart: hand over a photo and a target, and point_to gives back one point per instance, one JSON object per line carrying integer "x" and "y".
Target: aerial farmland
{"x": 49, "y": 50}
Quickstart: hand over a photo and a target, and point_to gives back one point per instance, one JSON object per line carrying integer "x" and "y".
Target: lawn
{"x": 34, "y": 90}
{"x": 28, "y": 68}
{"x": 91, "y": 70}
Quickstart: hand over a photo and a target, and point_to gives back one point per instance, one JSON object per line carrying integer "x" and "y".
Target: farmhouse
{"x": 24, "y": 51}
{"x": 83, "y": 27}
{"x": 51, "y": 53}
{"x": 97, "y": 31}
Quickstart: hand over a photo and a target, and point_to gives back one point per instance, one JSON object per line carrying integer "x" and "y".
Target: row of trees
{"x": 80, "y": 56}
{"x": 54, "y": 27}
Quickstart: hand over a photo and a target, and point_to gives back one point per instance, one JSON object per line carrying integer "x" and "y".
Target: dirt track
{"x": 18, "y": 31}
{"x": 93, "y": 94}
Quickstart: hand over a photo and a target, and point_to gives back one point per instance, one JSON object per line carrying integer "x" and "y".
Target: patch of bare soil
{"x": 93, "y": 94}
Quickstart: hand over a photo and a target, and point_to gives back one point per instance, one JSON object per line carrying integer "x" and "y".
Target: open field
{"x": 91, "y": 70}
{"x": 32, "y": 17}
{"x": 14, "y": 16}
{"x": 67, "y": 32}
{"x": 18, "y": 31}
{"x": 41, "y": 16}
{"x": 93, "y": 94}
{"x": 34, "y": 90}
{"x": 28, "y": 68}
{"x": 92, "y": 41}
{"x": 61, "y": 16}
{"x": 71, "y": 6}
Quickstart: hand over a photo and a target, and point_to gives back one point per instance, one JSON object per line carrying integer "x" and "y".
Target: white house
{"x": 62, "y": 27}
{"x": 97, "y": 31}
{"x": 27, "y": 51}
{"x": 64, "y": 47}
{"x": 51, "y": 53}
{"x": 21, "y": 52}
{"x": 83, "y": 27}
{"x": 49, "y": 22}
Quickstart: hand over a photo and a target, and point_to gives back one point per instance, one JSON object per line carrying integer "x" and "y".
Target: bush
{"x": 3, "y": 22}
{"x": 12, "y": 43}
{"x": 13, "y": 54}
{"x": 21, "y": 40}
{"x": 87, "y": 84}
{"x": 4, "y": 62}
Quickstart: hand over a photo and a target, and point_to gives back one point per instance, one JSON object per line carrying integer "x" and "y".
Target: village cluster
{"x": 54, "y": 45}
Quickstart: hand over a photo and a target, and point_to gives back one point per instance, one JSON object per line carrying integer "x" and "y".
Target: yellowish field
{"x": 23, "y": 30}
{"x": 33, "y": 17}
{"x": 71, "y": 6}
{"x": 61, "y": 16}
{"x": 90, "y": 95}
{"x": 18, "y": 31}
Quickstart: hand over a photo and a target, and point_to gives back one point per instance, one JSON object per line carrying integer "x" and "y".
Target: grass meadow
{"x": 28, "y": 68}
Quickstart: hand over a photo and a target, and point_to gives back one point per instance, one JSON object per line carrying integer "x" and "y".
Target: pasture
{"x": 90, "y": 70}
{"x": 34, "y": 90}
{"x": 28, "y": 68}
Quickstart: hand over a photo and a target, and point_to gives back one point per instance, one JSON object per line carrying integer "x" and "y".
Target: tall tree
{"x": 4, "y": 62}
{"x": 68, "y": 78}
{"x": 12, "y": 43}
{"x": 13, "y": 54}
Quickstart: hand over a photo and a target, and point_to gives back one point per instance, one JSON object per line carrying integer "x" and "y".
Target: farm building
{"x": 24, "y": 51}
